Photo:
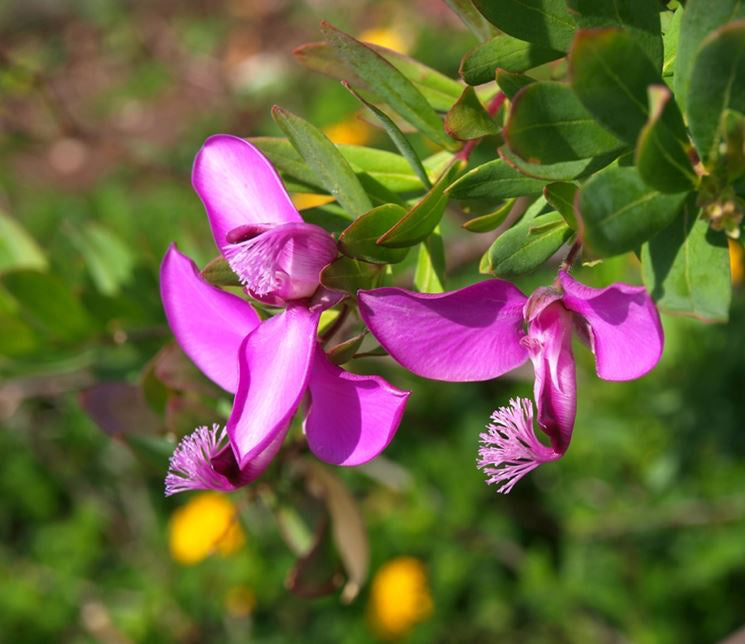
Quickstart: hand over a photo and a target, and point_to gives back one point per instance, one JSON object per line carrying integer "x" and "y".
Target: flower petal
{"x": 550, "y": 344}
{"x": 470, "y": 334}
{"x": 208, "y": 323}
{"x": 275, "y": 362}
{"x": 238, "y": 186}
{"x": 352, "y": 418}
{"x": 624, "y": 327}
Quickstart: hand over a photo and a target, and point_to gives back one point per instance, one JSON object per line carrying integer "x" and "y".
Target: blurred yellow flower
{"x": 399, "y": 597}
{"x": 207, "y": 523}
{"x": 350, "y": 131}
{"x": 305, "y": 200}
{"x": 240, "y": 601}
{"x": 736, "y": 261}
{"x": 386, "y": 37}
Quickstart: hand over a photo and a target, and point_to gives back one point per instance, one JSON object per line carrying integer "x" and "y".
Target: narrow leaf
{"x": 564, "y": 171}
{"x": 472, "y": 18}
{"x": 468, "y": 119}
{"x": 429, "y": 276}
{"x": 686, "y": 268}
{"x": 511, "y": 82}
{"x": 218, "y": 272}
{"x": 548, "y": 124}
{"x": 670, "y": 43}
{"x": 350, "y": 275}
{"x": 344, "y": 351}
{"x": 358, "y": 240}
{"x": 108, "y": 259}
{"x": 660, "y": 156}
{"x": 18, "y": 249}
{"x": 619, "y": 212}
{"x": 332, "y": 170}
{"x": 510, "y": 54}
{"x": 490, "y": 221}
{"x": 495, "y": 180}
{"x": 561, "y": 196}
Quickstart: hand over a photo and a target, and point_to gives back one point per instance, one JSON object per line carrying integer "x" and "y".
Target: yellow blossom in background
{"x": 240, "y": 601}
{"x": 736, "y": 261}
{"x": 386, "y": 37}
{"x": 305, "y": 200}
{"x": 207, "y": 523}
{"x": 350, "y": 131}
{"x": 399, "y": 597}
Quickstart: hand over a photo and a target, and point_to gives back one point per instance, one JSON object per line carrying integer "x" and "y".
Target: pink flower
{"x": 270, "y": 365}
{"x": 484, "y": 330}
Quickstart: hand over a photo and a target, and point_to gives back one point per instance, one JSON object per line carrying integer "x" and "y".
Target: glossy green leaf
{"x": 47, "y": 305}
{"x": 619, "y": 212}
{"x": 108, "y": 259}
{"x": 686, "y": 268}
{"x": 717, "y": 84}
{"x": 504, "y": 52}
{"x": 218, "y": 272}
{"x": 511, "y": 83}
{"x": 548, "y": 124}
{"x": 490, "y": 221}
{"x": 472, "y": 18}
{"x": 700, "y": 18}
{"x": 397, "y": 90}
{"x": 468, "y": 119}
{"x": 610, "y": 74}
{"x": 564, "y": 171}
{"x": 350, "y": 275}
{"x": 396, "y": 135}
{"x": 661, "y": 158}
{"x": 496, "y": 180}
{"x": 639, "y": 18}
{"x": 670, "y": 41}
{"x": 544, "y": 22}
{"x": 18, "y": 249}
{"x": 332, "y": 170}
{"x": 344, "y": 351}
{"x": 429, "y": 276}
{"x": 422, "y": 219}
{"x": 358, "y": 240}
{"x": 526, "y": 245}
{"x": 561, "y": 196}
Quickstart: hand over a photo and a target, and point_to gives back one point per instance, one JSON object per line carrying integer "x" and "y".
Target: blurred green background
{"x": 638, "y": 534}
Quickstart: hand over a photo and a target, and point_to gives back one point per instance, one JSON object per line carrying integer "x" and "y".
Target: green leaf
{"x": 544, "y": 22}
{"x": 610, "y": 74}
{"x": 107, "y": 258}
{"x": 48, "y": 305}
{"x": 218, "y": 272}
{"x": 397, "y": 136}
{"x": 398, "y": 91}
{"x": 619, "y": 211}
{"x": 548, "y": 124}
{"x": 561, "y": 196}
{"x": 429, "y": 276}
{"x": 717, "y": 83}
{"x": 564, "y": 171}
{"x": 700, "y": 18}
{"x": 670, "y": 41}
{"x": 350, "y": 275}
{"x": 660, "y": 156}
{"x": 639, "y": 18}
{"x": 526, "y": 245}
{"x": 422, "y": 219}
{"x": 511, "y": 83}
{"x": 505, "y": 52}
{"x": 468, "y": 119}
{"x": 686, "y": 268}
{"x": 472, "y": 18}
{"x": 344, "y": 351}
{"x": 332, "y": 170}
{"x": 490, "y": 221}
{"x": 18, "y": 250}
{"x": 358, "y": 240}
{"x": 496, "y": 180}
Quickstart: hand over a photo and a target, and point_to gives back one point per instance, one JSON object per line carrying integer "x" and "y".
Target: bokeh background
{"x": 637, "y": 535}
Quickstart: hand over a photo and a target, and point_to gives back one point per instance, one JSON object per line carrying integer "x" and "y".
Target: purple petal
{"x": 624, "y": 327}
{"x": 275, "y": 362}
{"x": 238, "y": 186}
{"x": 470, "y": 334}
{"x": 550, "y": 344}
{"x": 284, "y": 261}
{"x": 208, "y": 323}
{"x": 352, "y": 418}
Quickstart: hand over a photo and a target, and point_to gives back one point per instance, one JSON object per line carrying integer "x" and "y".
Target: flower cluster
{"x": 475, "y": 333}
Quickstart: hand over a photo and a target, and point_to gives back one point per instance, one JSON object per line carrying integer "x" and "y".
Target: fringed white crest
{"x": 191, "y": 467}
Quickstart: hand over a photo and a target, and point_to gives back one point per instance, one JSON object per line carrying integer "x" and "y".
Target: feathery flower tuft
{"x": 509, "y": 448}
{"x": 191, "y": 466}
